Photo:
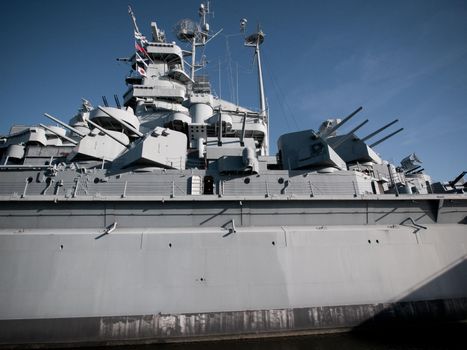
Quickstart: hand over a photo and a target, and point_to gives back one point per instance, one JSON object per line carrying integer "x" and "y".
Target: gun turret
{"x": 343, "y": 121}
{"x": 348, "y": 135}
{"x": 107, "y": 133}
{"x": 123, "y": 123}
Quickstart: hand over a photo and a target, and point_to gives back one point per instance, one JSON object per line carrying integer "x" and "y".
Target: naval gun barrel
{"x": 411, "y": 171}
{"x": 418, "y": 171}
{"x": 349, "y": 134}
{"x": 65, "y": 125}
{"x": 107, "y": 133}
{"x": 457, "y": 179}
{"x": 58, "y": 134}
{"x": 379, "y": 130}
{"x": 122, "y": 122}
{"x": 343, "y": 121}
{"x": 386, "y": 137}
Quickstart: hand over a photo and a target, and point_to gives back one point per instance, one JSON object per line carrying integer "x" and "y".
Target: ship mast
{"x": 202, "y": 33}
{"x": 255, "y": 40}
{"x": 196, "y": 34}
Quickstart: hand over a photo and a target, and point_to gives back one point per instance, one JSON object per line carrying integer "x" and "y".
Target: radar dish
{"x": 186, "y": 30}
{"x": 254, "y": 39}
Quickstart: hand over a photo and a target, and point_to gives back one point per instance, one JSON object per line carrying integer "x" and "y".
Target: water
{"x": 452, "y": 337}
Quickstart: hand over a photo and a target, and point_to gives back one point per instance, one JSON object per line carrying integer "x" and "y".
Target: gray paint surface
{"x": 52, "y": 273}
{"x": 163, "y": 328}
{"x": 166, "y": 218}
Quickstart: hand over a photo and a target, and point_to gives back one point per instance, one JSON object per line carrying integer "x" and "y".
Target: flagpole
{"x": 132, "y": 15}
{"x": 140, "y": 39}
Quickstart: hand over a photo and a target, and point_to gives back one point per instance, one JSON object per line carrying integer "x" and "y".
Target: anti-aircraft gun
{"x": 312, "y": 150}
{"x": 325, "y": 151}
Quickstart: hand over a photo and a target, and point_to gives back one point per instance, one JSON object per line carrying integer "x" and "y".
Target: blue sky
{"x": 322, "y": 59}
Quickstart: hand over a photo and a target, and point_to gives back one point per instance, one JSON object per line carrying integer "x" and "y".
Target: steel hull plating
{"x": 161, "y": 328}
{"x": 165, "y": 218}
{"x": 227, "y": 280}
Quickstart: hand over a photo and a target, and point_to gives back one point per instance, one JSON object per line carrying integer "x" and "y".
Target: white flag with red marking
{"x": 139, "y": 59}
{"x": 141, "y": 71}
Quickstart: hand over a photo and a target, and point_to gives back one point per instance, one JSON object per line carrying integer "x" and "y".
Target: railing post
{"x": 354, "y": 189}
{"x": 76, "y": 188}
{"x": 124, "y": 189}
{"x": 221, "y": 188}
{"x": 25, "y": 187}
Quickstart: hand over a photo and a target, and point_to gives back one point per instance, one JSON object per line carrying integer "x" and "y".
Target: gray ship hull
{"x": 165, "y": 218}
{"x": 208, "y": 270}
{"x": 250, "y": 324}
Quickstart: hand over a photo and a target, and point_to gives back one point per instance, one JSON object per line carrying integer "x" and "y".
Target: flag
{"x": 141, "y": 71}
{"x": 141, "y": 38}
{"x": 141, "y": 65}
{"x": 139, "y": 59}
{"x": 140, "y": 45}
{"x": 140, "y": 48}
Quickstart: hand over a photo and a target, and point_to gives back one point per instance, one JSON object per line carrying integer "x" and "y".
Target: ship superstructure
{"x": 166, "y": 218}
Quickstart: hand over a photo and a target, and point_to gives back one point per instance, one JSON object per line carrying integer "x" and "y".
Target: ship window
{"x": 247, "y": 180}
{"x": 208, "y": 185}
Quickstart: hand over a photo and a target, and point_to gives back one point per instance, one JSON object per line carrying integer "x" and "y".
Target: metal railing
{"x": 180, "y": 187}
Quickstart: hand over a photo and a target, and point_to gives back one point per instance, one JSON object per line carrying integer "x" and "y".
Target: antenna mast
{"x": 133, "y": 18}
{"x": 196, "y": 34}
{"x": 255, "y": 40}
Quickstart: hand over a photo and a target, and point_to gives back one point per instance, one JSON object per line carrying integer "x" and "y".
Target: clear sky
{"x": 398, "y": 59}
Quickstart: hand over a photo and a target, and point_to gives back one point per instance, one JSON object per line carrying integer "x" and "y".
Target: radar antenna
{"x": 197, "y": 34}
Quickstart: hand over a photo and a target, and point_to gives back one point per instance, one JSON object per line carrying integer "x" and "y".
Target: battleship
{"x": 165, "y": 218}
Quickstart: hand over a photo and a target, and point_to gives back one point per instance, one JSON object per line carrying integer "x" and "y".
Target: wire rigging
{"x": 284, "y": 105}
